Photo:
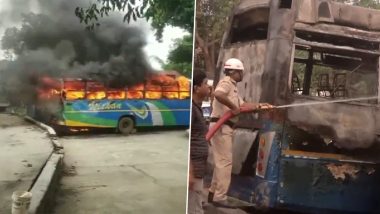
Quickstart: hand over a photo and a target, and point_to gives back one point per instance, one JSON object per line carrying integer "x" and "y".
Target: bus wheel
{"x": 126, "y": 125}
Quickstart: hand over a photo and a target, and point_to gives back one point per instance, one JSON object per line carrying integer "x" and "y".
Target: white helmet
{"x": 234, "y": 64}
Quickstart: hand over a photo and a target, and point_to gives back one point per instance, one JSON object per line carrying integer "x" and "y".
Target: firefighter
{"x": 226, "y": 98}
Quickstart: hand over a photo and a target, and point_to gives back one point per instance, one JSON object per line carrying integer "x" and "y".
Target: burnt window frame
{"x": 255, "y": 37}
{"x": 292, "y": 95}
{"x": 285, "y": 4}
{"x": 64, "y": 90}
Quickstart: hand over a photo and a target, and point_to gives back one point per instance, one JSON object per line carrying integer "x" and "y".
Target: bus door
{"x": 255, "y": 165}
{"x": 246, "y": 39}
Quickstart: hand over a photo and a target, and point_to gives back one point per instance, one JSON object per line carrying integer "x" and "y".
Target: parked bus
{"x": 162, "y": 100}
{"x": 320, "y": 158}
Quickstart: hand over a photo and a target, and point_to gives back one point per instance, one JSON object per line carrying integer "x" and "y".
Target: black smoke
{"x": 52, "y": 42}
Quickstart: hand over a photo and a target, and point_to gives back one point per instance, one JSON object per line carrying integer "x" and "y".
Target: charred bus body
{"x": 314, "y": 158}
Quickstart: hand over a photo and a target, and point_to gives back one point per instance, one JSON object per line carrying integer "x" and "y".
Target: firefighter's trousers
{"x": 221, "y": 145}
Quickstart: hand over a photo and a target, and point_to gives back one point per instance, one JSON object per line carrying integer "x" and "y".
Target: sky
{"x": 162, "y": 49}
{"x": 153, "y": 48}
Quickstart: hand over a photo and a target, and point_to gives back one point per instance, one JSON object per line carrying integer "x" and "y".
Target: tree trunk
{"x": 212, "y": 56}
{"x": 210, "y": 66}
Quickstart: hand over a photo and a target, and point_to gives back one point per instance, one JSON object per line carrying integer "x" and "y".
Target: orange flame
{"x": 136, "y": 92}
{"x": 153, "y": 90}
{"x": 50, "y": 82}
{"x": 163, "y": 80}
{"x": 74, "y": 89}
{"x": 115, "y": 94}
{"x": 96, "y": 95}
{"x": 157, "y": 87}
{"x": 95, "y": 91}
{"x": 184, "y": 86}
{"x": 74, "y": 95}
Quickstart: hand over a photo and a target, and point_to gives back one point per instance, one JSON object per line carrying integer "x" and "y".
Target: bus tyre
{"x": 126, "y": 125}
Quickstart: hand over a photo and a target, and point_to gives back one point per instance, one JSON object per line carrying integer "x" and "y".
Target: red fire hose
{"x": 222, "y": 120}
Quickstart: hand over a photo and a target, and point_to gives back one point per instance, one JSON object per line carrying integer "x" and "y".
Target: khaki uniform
{"x": 222, "y": 141}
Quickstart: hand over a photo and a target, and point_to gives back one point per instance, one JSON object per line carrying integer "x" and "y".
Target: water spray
{"x": 229, "y": 114}
{"x": 326, "y": 102}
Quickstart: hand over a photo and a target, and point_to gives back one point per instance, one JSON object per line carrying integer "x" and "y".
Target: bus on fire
{"x": 320, "y": 158}
{"x": 74, "y": 104}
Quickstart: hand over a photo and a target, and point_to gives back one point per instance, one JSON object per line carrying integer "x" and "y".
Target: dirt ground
{"x": 8, "y": 120}
{"x": 24, "y": 149}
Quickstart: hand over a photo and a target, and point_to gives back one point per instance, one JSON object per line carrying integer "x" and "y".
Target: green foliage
{"x": 183, "y": 68}
{"x": 369, "y": 4}
{"x": 180, "y": 57}
{"x": 374, "y": 4}
{"x": 91, "y": 15}
{"x": 183, "y": 50}
{"x": 212, "y": 17}
{"x": 179, "y": 13}
{"x": 211, "y": 22}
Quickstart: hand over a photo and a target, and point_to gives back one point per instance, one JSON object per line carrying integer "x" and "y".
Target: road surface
{"x": 111, "y": 173}
{"x": 24, "y": 149}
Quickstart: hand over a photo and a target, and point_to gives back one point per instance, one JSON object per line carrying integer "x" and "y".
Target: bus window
{"x": 136, "y": 92}
{"x": 249, "y": 26}
{"x": 324, "y": 66}
{"x": 73, "y": 89}
{"x": 170, "y": 91}
{"x": 116, "y": 94}
{"x": 184, "y": 87}
{"x": 330, "y": 74}
{"x": 153, "y": 91}
{"x": 95, "y": 91}
{"x": 287, "y": 4}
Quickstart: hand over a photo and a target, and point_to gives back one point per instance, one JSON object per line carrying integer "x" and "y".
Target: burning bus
{"x": 75, "y": 104}
{"x": 317, "y": 158}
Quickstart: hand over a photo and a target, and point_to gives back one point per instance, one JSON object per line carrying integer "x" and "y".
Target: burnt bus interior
{"x": 327, "y": 67}
{"x": 324, "y": 66}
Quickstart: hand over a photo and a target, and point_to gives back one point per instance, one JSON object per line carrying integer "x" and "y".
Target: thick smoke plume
{"x": 52, "y": 42}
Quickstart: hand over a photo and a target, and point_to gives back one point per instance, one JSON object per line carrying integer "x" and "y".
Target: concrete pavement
{"x": 214, "y": 210}
{"x": 141, "y": 173}
{"x": 24, "y": 149}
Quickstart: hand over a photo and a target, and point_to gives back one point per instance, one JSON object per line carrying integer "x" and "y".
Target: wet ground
{"x": 213, "y": 210}
{"x": 243, "y": 209}
{"x": 111, "y": 173}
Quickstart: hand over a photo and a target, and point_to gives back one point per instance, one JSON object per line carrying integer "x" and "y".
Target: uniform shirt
{"x": 228, "y": 86}
{"x": 198, "y": 143}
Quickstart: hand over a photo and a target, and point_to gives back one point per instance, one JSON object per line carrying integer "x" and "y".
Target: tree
{"x": 178, "y": 13}
{"x": 374, "y": 4}
{"x": 180, "y": 56}
{"x": 211, "y": 22}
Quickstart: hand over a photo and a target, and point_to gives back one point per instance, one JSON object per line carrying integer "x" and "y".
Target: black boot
{"x": 210, "y": 197}
{"x": 224, "y": 204}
